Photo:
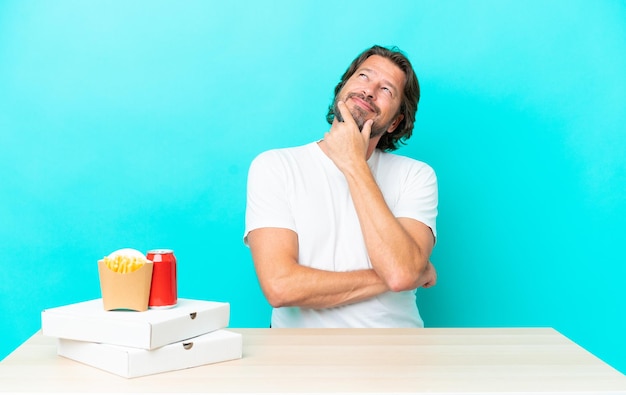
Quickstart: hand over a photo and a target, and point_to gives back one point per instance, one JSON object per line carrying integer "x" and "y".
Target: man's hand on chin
{"x": 344, "y": 143}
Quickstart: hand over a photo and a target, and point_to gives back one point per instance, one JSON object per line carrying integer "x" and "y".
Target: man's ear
{"x": 395, "y": 123}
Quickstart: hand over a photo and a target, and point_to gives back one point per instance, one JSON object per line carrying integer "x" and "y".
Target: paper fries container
{"x": 128, "y": 291}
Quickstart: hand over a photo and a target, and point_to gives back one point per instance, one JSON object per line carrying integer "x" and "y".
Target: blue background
{"x": 132, "y": 124}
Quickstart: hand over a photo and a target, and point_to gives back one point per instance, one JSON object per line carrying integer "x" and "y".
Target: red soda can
{"x": 163, "y": 293}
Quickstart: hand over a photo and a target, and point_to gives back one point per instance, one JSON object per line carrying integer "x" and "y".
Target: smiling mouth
{"x": 363, "y": 102}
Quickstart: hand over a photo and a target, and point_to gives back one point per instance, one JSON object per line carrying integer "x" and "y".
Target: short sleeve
{"x": 267, "y": 203}
{"x": 419, "y": 196}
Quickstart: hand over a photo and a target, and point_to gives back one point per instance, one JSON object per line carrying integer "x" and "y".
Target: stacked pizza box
{"x": 138, "y": 343}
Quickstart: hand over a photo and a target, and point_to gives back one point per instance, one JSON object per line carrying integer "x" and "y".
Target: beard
{"x": 360, "y": 115}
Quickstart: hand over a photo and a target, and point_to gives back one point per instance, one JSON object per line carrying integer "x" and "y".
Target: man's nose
{"x": 368, "y": 91}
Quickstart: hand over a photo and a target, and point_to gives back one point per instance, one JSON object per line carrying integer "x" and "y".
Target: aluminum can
{"x": 163, "y": 291}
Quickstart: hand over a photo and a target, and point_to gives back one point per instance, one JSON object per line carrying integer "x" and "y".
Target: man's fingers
{"x": 344, "y": 113}
{"x": 337, "y": 112}
{"x": 367, "y": 129}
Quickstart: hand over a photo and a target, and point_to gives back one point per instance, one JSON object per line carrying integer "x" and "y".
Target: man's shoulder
{"x": 283, "y": 155}
{"x": 394, "y": 159}
{"x": 287, "y": 151}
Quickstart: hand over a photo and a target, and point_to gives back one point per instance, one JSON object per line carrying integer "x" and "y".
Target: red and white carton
{"x": 150, "y": 329}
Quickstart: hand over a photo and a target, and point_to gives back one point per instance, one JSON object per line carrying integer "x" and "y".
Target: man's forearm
{"x": 317, "y": 289}
{"x": 287, "y": 283}
{"x": 395, "y": 255}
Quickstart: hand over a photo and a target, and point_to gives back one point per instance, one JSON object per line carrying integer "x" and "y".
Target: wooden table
{"x": 441, "y": 361}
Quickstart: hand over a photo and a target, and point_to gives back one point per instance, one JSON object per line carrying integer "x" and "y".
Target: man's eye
{"x": 362, "y": 76}
{"x": 387, "y": 90}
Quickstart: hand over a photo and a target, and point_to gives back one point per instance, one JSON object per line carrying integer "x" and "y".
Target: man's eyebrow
{"x": 385, "y": 81}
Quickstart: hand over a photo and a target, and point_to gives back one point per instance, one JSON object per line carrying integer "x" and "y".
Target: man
{"x": 340, "y": 230}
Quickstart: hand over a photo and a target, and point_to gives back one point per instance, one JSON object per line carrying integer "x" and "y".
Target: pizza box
{"x": 150, "y": 329}
{"x": 217, "y": 346}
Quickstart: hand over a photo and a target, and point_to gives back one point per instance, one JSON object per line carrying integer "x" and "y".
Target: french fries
{"x": 124, "y": 263}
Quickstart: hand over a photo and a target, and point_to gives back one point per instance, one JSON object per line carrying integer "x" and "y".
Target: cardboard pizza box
{"x": 214, "y": 347}
{"x": 150, "y": 329}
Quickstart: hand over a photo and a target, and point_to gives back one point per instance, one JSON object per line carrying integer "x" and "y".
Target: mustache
{"x": 366, "y": 99}
{"x": 361, "y": 96}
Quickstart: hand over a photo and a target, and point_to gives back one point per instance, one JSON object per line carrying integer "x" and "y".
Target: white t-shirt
{"x": 301, "y": 189}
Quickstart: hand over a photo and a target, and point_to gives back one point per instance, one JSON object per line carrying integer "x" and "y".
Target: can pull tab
{"x": 193, "y": 315}
{"x": 187, "y": 346}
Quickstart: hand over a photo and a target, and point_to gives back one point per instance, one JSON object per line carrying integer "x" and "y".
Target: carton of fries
{"x": 125, "y": 280}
